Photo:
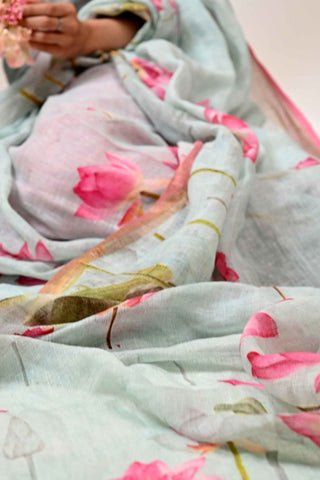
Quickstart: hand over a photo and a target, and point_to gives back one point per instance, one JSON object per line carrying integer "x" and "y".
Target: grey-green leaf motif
{"x": 21, "y": 440}
{"x": 245, "y": 406}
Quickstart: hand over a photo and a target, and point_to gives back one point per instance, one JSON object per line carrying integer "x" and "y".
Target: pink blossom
{"x": 308, "y": 162}
{"x": 174, "y": 5}
{"x": 29, "y": 281}
{"x": 42, "y": 253}
{"x": 175, "y": 151}
{"x": 132, "y": 302}
{"x": 306, "y": 424}
{"x": 226, "y": 272}
{"x": 153, "y": 75}
{"x": 135, "y": 210}
{"x": 158, "y": 470}
{"x": 235, "y": 383}
{"x": 37, "y": 331}
{"x": 250, "y": 142}
{"x": 159, "y": 6}
{"x": 24, "y": 253}
{"x": 204, "y": 103}
{"x": 106, "y": 188}
{"x": 278, "y": 365}
{"x": 261, "y": 325}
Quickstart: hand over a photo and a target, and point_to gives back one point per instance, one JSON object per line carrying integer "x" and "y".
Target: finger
{"x": 41, "y": 23}
{"x": 48, "y": 9}
{"x": 49, "y": 38}
{"x": 45, "y": 47}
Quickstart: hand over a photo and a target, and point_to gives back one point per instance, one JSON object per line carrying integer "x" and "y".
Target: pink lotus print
{"x": 158, "y": 470}
{"x": 159, "y": 4}
{"x": 305, "y": 424}
{"x": 106, "y": 188}
{"x": 37, "y": 331}
{"x": 279, "y": 365}
{"x": 226, "y": 272}
{"x": 308, "y": 162}
{"x": 153, "y": 75}
{"x": 175, "y": 152}
{"x": 250, "y": 142}
{"x": 132, "y": 302}
{"x": 42, "y": 253}
{"x": 235, "y": 383}
{"x": 29, "y": 281}
{"x": 261, "y": 324}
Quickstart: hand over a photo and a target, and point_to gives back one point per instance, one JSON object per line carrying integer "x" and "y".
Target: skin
{"x": 77, "y": 37}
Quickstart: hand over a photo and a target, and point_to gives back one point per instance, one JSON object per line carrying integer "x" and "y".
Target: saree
{"x": 166, "y": 196}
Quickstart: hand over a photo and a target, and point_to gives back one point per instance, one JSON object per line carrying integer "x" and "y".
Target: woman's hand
{"x": 56, "y": 29}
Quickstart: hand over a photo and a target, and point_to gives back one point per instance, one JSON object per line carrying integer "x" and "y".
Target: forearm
{"x": 56, "y": 29}
{"x": 109, "y": 33}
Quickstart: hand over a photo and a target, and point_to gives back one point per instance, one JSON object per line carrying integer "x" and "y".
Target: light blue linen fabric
{"x": 139, "y": 355}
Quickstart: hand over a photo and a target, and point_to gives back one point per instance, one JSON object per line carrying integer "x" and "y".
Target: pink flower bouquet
{"x": 14, "y": 39}
{"x": 158, "y": 470}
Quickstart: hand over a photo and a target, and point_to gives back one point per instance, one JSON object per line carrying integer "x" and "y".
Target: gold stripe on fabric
{"x": 207, "y": 224}
{"x": 215, "y": 170}
{"x": 277, "y": 289}
{"x": 31, "y": 97}
{"x": 55, "y": 80}
{"x": 153, "y": 195}
{"x": 107, "y": 114}
{"x": 152, "y": 277}
{"x": 159, "y": 236}
{"x": 103, "y": 56}
{"x": 238, "y": 461}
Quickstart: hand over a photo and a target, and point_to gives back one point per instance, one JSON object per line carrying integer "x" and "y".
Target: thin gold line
{"x": 31, "y": 97}
{"x": 208, "y": 224}
{"x": 159, "y": 237}
{"x": 145, "y": 193}
{"x": 275, "y": 176}
{"x": 215, "y": 170}
{"x": 309, "y": 409}
{"x": 238, "y": 461}
{"x": 107, "y": 114}
{"x": 54, "y": 80}
{"x": 280, "y": 292}
{"x": 148, "y": 275}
